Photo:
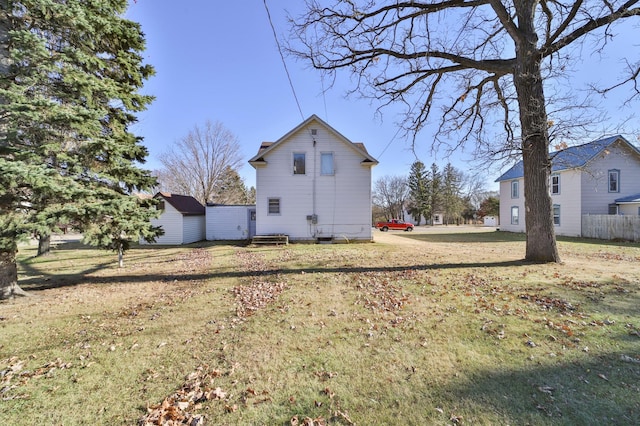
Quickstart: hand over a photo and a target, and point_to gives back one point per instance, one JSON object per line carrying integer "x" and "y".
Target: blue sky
{"x": 218, "y": 61}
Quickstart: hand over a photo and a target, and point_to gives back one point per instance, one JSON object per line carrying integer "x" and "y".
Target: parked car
{"x": 395, "y": 224}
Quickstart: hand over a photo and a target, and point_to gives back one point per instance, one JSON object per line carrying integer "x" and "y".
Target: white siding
{"x": 342, "y": 202}
{"x": 629, "y": 209}
{"x": 228, "y": 222}
{"x": 193, "y": 229}
{"x": 506, "y": 203}
{"x": 171, "y": 222}
{"x": 595, "y": 194}
{"x": 569, "y": 201}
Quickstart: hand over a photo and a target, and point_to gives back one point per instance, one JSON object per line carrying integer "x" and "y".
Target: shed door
{"x": 252, "y": 222}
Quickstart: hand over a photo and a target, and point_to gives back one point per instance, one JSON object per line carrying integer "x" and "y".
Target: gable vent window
{"x": 314, "y": 132}
{"x": 160, "y": 205}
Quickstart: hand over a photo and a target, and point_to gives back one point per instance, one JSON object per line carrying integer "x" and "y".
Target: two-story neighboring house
{"x": 314, "y": 184}
{"x": 597, "y": 178}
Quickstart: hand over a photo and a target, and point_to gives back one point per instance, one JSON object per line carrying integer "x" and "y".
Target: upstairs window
{"x": 555, "y": 184}
{"x": 515, "y": 190}
{"x": 326, "y": 163}
{"x": 614, "y": 180}
{"x": 298, "y": 163}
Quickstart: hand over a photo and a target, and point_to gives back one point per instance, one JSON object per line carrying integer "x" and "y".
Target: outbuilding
{"x": 230, "y": 222}
{"x": 182, "y": 219}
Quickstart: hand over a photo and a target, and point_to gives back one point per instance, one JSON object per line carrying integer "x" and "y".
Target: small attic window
{"x": 160, "y": 205}
{"x": 314, "y": 132}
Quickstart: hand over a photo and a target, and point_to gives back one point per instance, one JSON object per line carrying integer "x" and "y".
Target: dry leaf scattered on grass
{"x": 177, "y": 408}
{"x": 260, "y": 292}
{"x": 13, "y": 375}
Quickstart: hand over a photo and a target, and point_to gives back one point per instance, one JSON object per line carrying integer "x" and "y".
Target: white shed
{"x": 491, "y": 221}
{"x": 182, "y": 219}
{"x": 230, "y": 222}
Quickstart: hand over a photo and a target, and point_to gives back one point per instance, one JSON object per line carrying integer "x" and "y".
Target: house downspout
{"x": 314, "y": 221}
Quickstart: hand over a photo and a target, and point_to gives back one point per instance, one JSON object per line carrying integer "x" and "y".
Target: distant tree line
{"x": 426, "y": 192}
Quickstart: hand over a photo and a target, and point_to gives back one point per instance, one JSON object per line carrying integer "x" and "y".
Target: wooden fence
{"x": 611, "y": 227}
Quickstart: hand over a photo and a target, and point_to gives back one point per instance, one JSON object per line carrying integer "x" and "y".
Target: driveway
{"x": 396, "y": 237}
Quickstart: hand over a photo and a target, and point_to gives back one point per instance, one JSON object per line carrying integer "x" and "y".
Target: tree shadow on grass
{"x": 504, "y": 237}
{"x": 602, "y": 391}
{"x": 43, "y": 280}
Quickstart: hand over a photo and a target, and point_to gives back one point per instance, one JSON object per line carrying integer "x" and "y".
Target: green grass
{"x": 454, "y": 328}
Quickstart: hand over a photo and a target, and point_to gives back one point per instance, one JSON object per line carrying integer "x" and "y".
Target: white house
{"x": 314, "y": 184}
{"x": 597, "y": 178}
{"x": 182, "y": 219}
{"x": 230, "y": 222}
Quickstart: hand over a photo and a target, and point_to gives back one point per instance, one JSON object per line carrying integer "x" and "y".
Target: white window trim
{"x": 293, "y": 163}
{"x": 516, "y": 184}
{"x": 559, "y": 180}
{"x": 617, "y": 173}
{"x": 269, "y": 206}
{"x": 517, "y": 221}
{"x": 333, "y": 163}
{"x": 554, "y": 214}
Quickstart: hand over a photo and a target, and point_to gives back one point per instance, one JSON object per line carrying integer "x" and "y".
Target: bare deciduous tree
{"x": 468, "y": 65}
{"x": 200, "y": 163}
{"x": 391, "y": 193}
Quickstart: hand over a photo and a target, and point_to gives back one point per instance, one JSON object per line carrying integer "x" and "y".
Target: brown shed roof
{"x": 185, "y": 204}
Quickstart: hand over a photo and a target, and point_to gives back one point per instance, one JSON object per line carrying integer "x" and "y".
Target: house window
{"x": 614, "y": 180}
{"x": 326, "y": 163}
{"x": 298, "y": 163}
{"x": 514, "y": 189}
{"x": 160, "y": 205}
{"x": 515, "y": 215}
{"x": 613, "y": 209}
{"x": 555, "y": 184}
{"x": 274, "y": 205}
{"x": 556, "y": 214}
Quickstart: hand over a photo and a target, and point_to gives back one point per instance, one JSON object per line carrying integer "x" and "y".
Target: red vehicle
{"x": 394, "y": 224}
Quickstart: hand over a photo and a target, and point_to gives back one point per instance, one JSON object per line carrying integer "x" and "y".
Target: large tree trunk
{"x": 9, "y": 276}
{"x": 541, "y": 238}
{"x": 44, "y": 245}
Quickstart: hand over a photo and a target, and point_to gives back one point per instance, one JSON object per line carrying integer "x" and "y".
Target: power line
{"x": 286, "y": 69}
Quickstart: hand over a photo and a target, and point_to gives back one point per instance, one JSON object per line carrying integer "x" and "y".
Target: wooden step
{"x": 270, "y": 239}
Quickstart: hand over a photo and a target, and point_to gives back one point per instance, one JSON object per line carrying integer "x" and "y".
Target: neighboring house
{"x": 230, "y": 222}
{"x": 182, "y": 219}
{"x": 436, "y": 219}
{"x": 598, "y": 178}
{"x": 314, "y": 184}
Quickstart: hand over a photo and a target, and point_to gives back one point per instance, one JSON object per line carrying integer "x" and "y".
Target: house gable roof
{"x": 185, "y": 204}
{"x": 267, "y": 147}
{"x": 571, "y": 158}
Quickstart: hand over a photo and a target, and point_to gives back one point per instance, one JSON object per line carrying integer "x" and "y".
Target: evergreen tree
{"x": 68, "y": 93}
{"x": 418, "y": 191}
{"x": 452, "y": 203}
{"x": 434, "y": 192}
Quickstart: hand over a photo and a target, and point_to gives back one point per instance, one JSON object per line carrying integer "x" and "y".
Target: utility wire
{"x": 286, "y": 69}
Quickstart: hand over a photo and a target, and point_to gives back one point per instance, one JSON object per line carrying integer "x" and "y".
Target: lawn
{"x": 421, "y": 328}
